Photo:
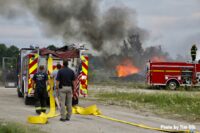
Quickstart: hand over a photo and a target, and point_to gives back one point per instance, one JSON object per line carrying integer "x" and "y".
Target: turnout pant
{"x": 40, "y": 102}
{"x": 66, "y": 97}
{"x": 193, "y": 57}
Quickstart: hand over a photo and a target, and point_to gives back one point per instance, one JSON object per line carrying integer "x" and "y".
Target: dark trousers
{"x": 40, "y": 102}
{"x": 193, "y": 57}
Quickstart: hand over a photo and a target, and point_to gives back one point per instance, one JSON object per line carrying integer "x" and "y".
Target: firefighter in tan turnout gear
{"x": 40, "y": 81}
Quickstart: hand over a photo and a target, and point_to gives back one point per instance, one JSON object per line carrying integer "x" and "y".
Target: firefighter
{"x": 40, "y": 80}
{"x": 193, "y": 52}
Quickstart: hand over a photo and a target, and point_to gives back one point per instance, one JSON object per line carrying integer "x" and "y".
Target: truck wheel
{"x": 172, "y": 84}
{"x": 19, "y": 93}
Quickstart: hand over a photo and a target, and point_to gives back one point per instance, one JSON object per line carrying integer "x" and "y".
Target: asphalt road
{"x": 12, "y": 108}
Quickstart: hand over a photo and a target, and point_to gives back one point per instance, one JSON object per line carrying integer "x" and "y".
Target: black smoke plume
{"x": 107, "y": 31}
{"x": 78, "y": 20}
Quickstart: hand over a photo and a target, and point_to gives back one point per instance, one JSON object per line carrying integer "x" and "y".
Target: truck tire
{"x": 19, "y": 93}
{"x": 172, "y": 84}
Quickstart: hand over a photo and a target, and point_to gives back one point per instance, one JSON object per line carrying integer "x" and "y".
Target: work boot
{"x": 63, "y": 120}
{"x": 38, "y": 112}
{"x": 67, "y": 119}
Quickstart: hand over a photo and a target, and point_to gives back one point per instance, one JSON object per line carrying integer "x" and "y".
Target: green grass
{"x": 10, "y": 127}
{"x": 184, "y": 104}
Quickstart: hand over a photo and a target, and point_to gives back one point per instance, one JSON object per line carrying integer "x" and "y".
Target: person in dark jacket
{"x": 40, "y": 80}
{"x": 65, "y": 85}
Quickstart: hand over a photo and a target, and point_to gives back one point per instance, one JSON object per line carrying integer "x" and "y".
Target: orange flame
{"x": 126, "y": 68}
{"x": 158, "y": 59}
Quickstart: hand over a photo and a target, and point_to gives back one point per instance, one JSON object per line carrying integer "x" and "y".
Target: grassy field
{"x": 136, "y": 85}
{"x": 9, "y": 127}
{"x": 178, "y": 104}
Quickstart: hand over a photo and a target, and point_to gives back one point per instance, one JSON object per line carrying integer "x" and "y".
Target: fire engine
{"x": 173, "y": 74}
{"x": 30, "y": 58}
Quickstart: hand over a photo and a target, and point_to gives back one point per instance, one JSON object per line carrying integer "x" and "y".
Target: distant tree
{"x": 3, "y": 52}
{"x": 3, "y": 49}
{"x": 12, "y": 51}
{"x": 51, "y": 47}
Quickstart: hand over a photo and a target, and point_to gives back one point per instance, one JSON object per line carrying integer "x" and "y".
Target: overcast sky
{"x": 174, "y": 24}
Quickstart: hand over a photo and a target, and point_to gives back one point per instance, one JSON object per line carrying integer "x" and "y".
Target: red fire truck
{"x": 173, "y": 74}
{"x": 30, "y": 58}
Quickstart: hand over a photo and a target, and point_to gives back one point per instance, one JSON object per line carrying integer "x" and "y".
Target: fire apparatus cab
{"x": 30, "y": 58}
{"x": 173, "y": 74}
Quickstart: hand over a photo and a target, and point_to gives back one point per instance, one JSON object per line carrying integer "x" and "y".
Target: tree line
{"x": 11, "y": 51}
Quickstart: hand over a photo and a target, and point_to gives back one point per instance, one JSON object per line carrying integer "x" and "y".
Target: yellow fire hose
{"x": 91, "y": 110}
{"x": 52, "y": 112}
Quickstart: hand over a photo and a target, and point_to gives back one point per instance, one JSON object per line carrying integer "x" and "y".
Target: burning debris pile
{"x": 126, "y": 68}
{"x": 130, "y": 78}
{"x": 138, "y": 56}
{"x": 130, "y": 63}
{"x": 133, "y": 56}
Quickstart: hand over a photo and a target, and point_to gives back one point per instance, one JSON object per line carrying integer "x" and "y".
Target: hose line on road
{"x": 93, "y": 110}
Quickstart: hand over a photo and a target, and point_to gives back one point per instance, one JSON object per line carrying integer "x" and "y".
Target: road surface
{"x": 12, "y": 108}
